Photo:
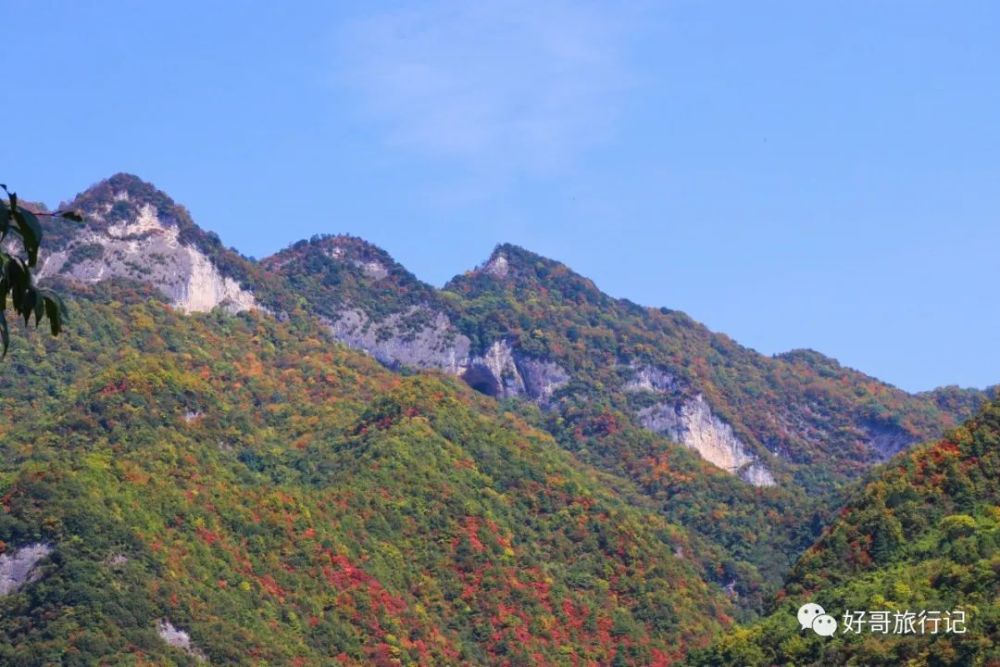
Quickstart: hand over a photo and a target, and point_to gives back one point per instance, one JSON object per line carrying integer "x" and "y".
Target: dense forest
{"x": 922, "y": 534}
{"x": 811, "y": 420}
{"x": 283, "y": 500}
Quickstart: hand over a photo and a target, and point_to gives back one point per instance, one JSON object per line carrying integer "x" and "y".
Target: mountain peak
{"x": 509, "y": 259}
{"x": 125, "y": 199}
{"x": 497, "y": 265}
{"x": 342, "y": 269}
{"x": 133, "y": 230}
{"x": 125, "y": 180}
{"x": 513, "y": 267}
{"x": 343, "y": 251}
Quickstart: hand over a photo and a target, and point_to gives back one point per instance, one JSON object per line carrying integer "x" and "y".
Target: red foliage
{"x": 207, "y": 536}
{"x": 114, "y": 388}
{"x": 268, "y": 583}
{"x": 472, "y": 533}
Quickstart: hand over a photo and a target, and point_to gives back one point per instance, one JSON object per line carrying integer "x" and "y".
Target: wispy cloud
{"x": 502, "y": 87}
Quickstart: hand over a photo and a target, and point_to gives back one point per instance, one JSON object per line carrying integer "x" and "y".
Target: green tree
{"x": 23, "y": 226}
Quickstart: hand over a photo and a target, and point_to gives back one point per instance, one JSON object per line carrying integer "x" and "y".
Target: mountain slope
{"x": 798, "y": 413}
{"x": 923, "y": 534}
{"x": 522, "y": 325}
{"x": 747, "y": 451}
{"x": 528, "y": 327}
{"x": 618, "y": 383}
{"x": 241, "y": 488}
{"x": 370, "y": 302}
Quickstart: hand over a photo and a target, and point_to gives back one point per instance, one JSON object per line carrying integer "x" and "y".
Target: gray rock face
{"x": 515, "y": 375}
{"x": 178, "y": 639}
{"x": 496, "y": 373}
{"x": 691, "y": 422}
{"x": 421, "y": 338}
{"x": 117, "y": 560}
{"x": 542, "y": 378}
{"x": 757, "y": 474}
{"x": 649, "y": 378}
{"x": 20, "y": 568}
{"x": 418, "y": 338}
{"x": 147, "y": 249}
{"x": 887, "y": 441}
{"x": 498, "y": 266}
{"x": 371, "y": 268}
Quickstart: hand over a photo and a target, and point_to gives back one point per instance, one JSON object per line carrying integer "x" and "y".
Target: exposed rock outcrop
{"x": 498, "y": 266}
{"x": 421, "y": 338}
{"x": 21, "y": 567}
{"x": 418, "y": 338}
{"x": 887, "y": 441}
{"x": 372, "y": 268}
{"x": 649, "y": 378}
{"x": 514, "y": 375}
{"x": 146, "y": 248}
{"x": 495, "y": 373}
{"x": 178, "y": 639}
{"x": 691, "y": 422}
{"x": 542, "y": 378}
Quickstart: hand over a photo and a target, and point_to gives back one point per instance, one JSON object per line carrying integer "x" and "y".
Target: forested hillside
{"x": 620, "y": 385}
{"x": 319, "y": 456}
{"x": 923, "y": 534}
{"x": 280, "y": 499}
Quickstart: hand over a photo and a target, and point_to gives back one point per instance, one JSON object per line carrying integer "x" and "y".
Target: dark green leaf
{"x": 55, "y": 298}
{"x": 39, "y": 308}
{"x": 28, "y": 304}
{"x": 4, "y": 334}
{"x": 4, "y": 220}
{"x": 31, "y": 231}
{"x": 54, "y": 310}
{"x": 15, "y": 272}
{"x": 17, "y": 281}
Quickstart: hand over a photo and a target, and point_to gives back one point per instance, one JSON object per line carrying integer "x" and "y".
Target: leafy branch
{"x": 21, "y": 224}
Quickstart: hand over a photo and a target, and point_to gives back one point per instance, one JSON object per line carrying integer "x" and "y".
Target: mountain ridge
{"x": 370, "y": 301}
{"x": 633, "y": 391}
{"x": 502, "y": 251}
{"x": 321, "y": 455}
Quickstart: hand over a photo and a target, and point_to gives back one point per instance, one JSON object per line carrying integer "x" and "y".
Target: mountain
{"x": 522, "y": 325}
{"x": 525, "y": 326}
{"x": 619, "y": 385}
{"x": 921, "y": 535}
{"x": 133, "y": 231}
{"x": 641, "y": 467}
{"x": 760, "y": 417}
{"x": 186, "y": 487}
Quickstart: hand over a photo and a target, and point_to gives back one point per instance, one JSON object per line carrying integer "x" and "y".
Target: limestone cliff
{"x": 420, "y": 338}
{"x": 690, "y": 421}
{"x": 134, "y": 231}
{"x": 21, "y": 566}
{"x": 416, "y": 338}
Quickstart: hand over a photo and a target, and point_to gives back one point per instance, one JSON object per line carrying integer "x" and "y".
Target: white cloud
{"x": 501, "y": 87}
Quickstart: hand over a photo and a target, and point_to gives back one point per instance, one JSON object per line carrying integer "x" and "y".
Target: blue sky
{"x": 795, "y": 174}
